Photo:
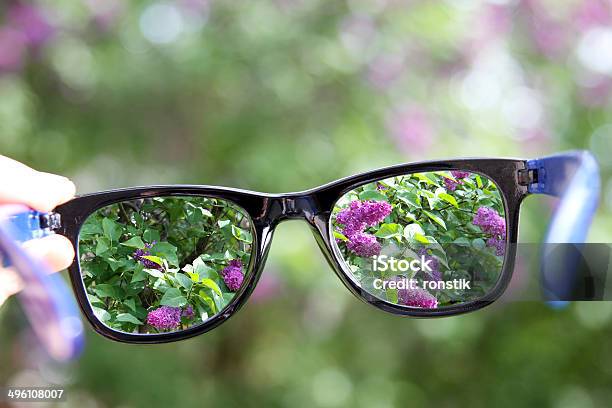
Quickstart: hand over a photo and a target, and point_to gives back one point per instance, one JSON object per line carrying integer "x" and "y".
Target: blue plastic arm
{"x": 574, "y": 178}
{"x": 46, "y": 299}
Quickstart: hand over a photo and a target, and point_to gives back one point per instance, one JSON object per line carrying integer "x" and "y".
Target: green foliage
{"x": 429, "y": 214}
{"x": 142, "y": 254}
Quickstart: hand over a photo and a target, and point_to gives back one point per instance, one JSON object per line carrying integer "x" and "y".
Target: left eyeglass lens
{"x": 164, "y": 264}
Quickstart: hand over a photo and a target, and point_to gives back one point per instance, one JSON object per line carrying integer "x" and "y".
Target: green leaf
{"x": 139, "y": 274}
{"x": 154, "y": 272}
{"x": 435, "y": 218}
{"x": 340, "y": 236}
{"x": 414, "y": 233}
{"x": 167, "y": 251}
{"x": 173, "y": 297}
{"x": 410, "y": 198}
{"x": 111, "y": 229}
{"x": 241, "y": 234}
{"x": 131, "y": 303}
{"x": 387, "y": 231}
{"x": 372, "y": 195}
{"x": 208, "y": 301}
{"x": 102, "y": 246}
{"x": 184, "y": 280}
{"x": 212, "y": 285}
{"x": 223, "y": 223}
{"x": 462, "y": 241}
{"x": 105, "y": 290}
{"x": 126, "y": 317}
{"x": 202, "y": 269}
{"x": 90, "y": 228}
{"x": 134, "y": 242}
{"x": 101, "y": 314}
{"x": 478, "y": 243}
{"x": 114, "y": 264}
{"x": 449, "y": 199}
{"x": 151, "y": 235}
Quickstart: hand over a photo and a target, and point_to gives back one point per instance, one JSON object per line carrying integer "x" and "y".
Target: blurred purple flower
{"x": 268, "y": 287}
{"x": 105, "y": 13}
{"x": 32, "y": 22}
{"x": 12, "y": 49}
{"x": 591, "y": 13}
{"x": 357, "y": 33}
{"x": 385, "y": 69}
{"x": 232, "y": 275}
{"x": 164, "y": 317}
{"x": 549, "y": 32}
{"x": 412, "y": 130}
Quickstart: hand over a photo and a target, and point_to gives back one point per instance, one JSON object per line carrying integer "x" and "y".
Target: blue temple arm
{"x": 574, "y": 178}
{"x": 46, "y": 299}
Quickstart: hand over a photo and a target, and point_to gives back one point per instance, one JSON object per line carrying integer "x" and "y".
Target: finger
{"x": 10, "y": 283}
{"x": 55, "y": 250}
{"x": 39, "y": 190}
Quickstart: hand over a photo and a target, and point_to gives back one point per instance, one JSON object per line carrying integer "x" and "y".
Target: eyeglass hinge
{"x": 528, "y": 177}
{"x": 52, "y": 221}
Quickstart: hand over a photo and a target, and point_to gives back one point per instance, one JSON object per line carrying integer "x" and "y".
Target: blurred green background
{"x": 283, "y": 95}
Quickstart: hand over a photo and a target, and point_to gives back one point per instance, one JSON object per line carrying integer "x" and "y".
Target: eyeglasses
{"x": 163, "y": 263}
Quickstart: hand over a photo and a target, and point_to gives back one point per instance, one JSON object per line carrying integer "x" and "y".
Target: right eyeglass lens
{"x": 164, "y": 264}
{"x": 426, "y": 240}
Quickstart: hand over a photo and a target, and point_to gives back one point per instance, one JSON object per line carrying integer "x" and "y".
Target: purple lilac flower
{"x": 458, "y": 175}
{"x": 232, "y": 275}
{"x": 364, "y": 245}
{"x": 164, "y": 317}
{"x": 373, "y": 212}
{"x": 451, "y": 185}
{"x": 188, "y": 312}
{"x": 381, "y": 187}
{"x": 351, "y": 221}
{"x": 435, "y": 273}
{"x": 139, "y": 255}
{"x": 490, "y": 222}
{"x": 498, "y": 244}
{"x": 356, "y": 218}
{"x": 417, "y": 298}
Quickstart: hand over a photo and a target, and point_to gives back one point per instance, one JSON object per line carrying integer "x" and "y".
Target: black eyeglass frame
{"x": 266, "y": 211}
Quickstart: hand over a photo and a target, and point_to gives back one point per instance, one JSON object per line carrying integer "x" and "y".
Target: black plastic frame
{"x": 315, "y": 206}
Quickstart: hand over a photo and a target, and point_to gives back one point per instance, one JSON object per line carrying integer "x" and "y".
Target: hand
{"x": 20, "y": 184}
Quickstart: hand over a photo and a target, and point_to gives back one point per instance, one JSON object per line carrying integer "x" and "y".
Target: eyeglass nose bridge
{"x": 292, "y": 207}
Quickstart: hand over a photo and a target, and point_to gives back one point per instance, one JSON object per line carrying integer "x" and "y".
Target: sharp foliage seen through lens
{"x": 163, "y": 264}
{"x": 425, "y": 240}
